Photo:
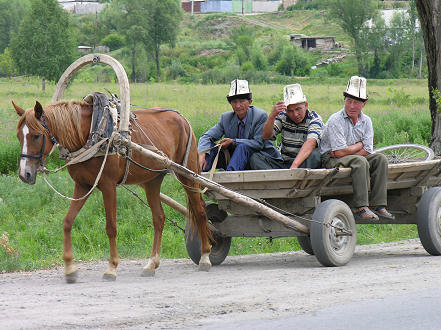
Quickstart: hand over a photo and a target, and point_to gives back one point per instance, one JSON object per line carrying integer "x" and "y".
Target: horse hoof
{"x": 72, "y": 277}
{"x": 204, "y": 267}
{"x": 147, "y": 273}
{"x": 109, "y": 277}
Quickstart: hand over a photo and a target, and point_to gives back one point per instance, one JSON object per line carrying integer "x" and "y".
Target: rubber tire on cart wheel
{"x": 330, "y": 249}
{"x": 219, "y": 248}
{"x": 305, "y": 244}
{"x": 429, "y": 221}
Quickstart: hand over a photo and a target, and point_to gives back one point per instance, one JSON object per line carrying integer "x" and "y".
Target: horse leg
{"x": 198, "y": 216}
{"x": 109, "y": 198}
{"x": 152, "y": 190}
{"x": 70, "y": 271}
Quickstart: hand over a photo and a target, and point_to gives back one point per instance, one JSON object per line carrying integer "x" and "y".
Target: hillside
{"x": 217, "y": 47}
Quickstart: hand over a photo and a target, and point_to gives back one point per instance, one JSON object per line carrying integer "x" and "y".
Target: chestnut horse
{"x": 69, "y": 123}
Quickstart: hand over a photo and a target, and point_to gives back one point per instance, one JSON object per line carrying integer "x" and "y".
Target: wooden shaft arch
{"x": 120, "y": 74}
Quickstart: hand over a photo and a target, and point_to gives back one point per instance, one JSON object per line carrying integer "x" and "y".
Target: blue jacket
{"x": 227, "y": 127}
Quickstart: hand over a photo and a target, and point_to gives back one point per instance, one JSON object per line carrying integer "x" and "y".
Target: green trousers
{"x": 367, "y": 172}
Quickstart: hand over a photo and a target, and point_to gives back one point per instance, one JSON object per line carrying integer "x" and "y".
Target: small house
{"x": 313, "y": 43}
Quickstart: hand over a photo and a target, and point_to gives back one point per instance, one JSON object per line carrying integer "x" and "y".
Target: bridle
{"x": 39, "y": 156}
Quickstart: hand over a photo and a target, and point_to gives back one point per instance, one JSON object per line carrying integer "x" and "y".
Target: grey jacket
{"x": 227, "y": 127}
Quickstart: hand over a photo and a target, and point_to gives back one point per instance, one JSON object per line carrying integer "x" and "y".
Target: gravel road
{"x": 251, "y": 287}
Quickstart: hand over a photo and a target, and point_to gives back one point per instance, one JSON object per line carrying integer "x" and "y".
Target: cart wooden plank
{"x": 298, "y": 183}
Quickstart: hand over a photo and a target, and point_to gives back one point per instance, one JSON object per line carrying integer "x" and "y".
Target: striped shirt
{"x": 294, "y": 135}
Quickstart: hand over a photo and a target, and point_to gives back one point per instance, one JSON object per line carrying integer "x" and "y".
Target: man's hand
{"x": 226, "y": 142}
{"x": 202, "y": 161}
{"x": 278, "y": 108}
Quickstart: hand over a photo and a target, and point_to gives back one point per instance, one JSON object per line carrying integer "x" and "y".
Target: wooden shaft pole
{"x": 236, "y": 197}
{"x": 174, "y": 204}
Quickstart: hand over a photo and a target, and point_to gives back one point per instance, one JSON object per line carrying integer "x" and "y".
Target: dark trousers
{"x": 239, "y": 158}
{"x": 260, "y": 161}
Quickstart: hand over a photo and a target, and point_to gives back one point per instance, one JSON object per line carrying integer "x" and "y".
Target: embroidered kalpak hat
{"x": 239, "y": 89}
{"x": 356, "y": 89}
{"x": 293, "y": 94}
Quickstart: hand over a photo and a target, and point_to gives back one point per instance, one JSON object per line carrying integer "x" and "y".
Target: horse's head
{"x": 35, "y": 140}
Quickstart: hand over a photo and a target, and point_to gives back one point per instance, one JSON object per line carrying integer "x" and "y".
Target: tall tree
{"x": 352, "y": 15}
{"x": 164, "y": 18}
{"x": 129, "y": 20}
{"x": 44, "y": 44}
{"x": 150, "y": 23}
{"x": 429, "y": 12}
{"x": 11, "y": 14}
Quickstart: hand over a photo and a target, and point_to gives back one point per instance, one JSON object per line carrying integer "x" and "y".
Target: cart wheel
{"x": 402, "y": 153}
{"x": 333, "y": 233}
{"x": 219, "y": 248}
{"x": 305, "y": 244}
{"x": 429, "y": 220}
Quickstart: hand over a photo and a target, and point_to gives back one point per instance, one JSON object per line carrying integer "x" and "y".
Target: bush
{"x": 247, "y": 66}
{"x": 9, "y": 157}
{"x": 113, "y": 41}
{"x": 293, "y": 62}
{"x": 307, "y": 5}
{"x": 258, "y": 59}
{"x": 175, "y": 70}
{"x": 397, "y": 127}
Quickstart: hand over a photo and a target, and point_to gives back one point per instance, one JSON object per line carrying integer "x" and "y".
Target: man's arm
{"x": 304, "y": 152}
{"x": 268, "y": 128}
{"x": 355, "y": 149}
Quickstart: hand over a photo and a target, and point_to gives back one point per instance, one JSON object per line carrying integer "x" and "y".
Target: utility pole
{"x": 242, "y": 9}
{"x": 95, "y": 28}
{"x": 192, "y": 7}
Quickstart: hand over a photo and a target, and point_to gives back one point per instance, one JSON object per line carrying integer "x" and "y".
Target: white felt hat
{"x": 356, "y": 88}
{"x": 293, "y": 94}
{"x": 239, "y": 89}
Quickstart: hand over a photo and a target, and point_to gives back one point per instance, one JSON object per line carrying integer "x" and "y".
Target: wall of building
{"x": 236, "y": 6}
{"x": 325, "y": 43}
{"x": 265, "y": 6}
{"x": 217, "y": 6}
{"x": 196, "y": 6}
{"x": 82, "y": 7}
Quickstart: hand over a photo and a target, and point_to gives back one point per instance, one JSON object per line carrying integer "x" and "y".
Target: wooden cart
{"x": 309, "y": 204}
{"x": 318, "y": 198}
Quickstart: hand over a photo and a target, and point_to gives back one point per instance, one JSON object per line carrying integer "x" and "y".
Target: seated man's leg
{"x": 262, "y": 161}
{"x": 239, "y": 158}
{"x": 359, "y": 175}
{"x": 378, "y": 173}
{"x": 210, "y": 157}
{"x": 313, "y": 161}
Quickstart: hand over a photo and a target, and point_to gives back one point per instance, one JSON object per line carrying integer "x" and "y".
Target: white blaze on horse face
{"x": 24, "y": 150}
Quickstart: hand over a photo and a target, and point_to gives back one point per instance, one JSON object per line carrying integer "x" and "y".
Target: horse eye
{"x": 36, "y": 137}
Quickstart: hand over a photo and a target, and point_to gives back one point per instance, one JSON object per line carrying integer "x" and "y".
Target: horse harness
{"x": 39, "y": 156}
{"x": 105, "y": 116}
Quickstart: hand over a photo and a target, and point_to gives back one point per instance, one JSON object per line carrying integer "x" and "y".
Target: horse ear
{"x": 20, "y": 111}
{"x": 38, "y": 109}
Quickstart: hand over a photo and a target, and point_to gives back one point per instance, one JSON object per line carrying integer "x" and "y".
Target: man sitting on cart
{"x": 348, "y": 141}
{"x": 301, "y": 131}
{"x": 241, "y": 130}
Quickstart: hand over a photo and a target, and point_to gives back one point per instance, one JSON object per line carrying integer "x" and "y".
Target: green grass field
{"x": 31, "y": 216}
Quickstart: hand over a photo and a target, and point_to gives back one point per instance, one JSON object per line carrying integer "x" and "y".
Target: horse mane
{"x": 64, "y": 121}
